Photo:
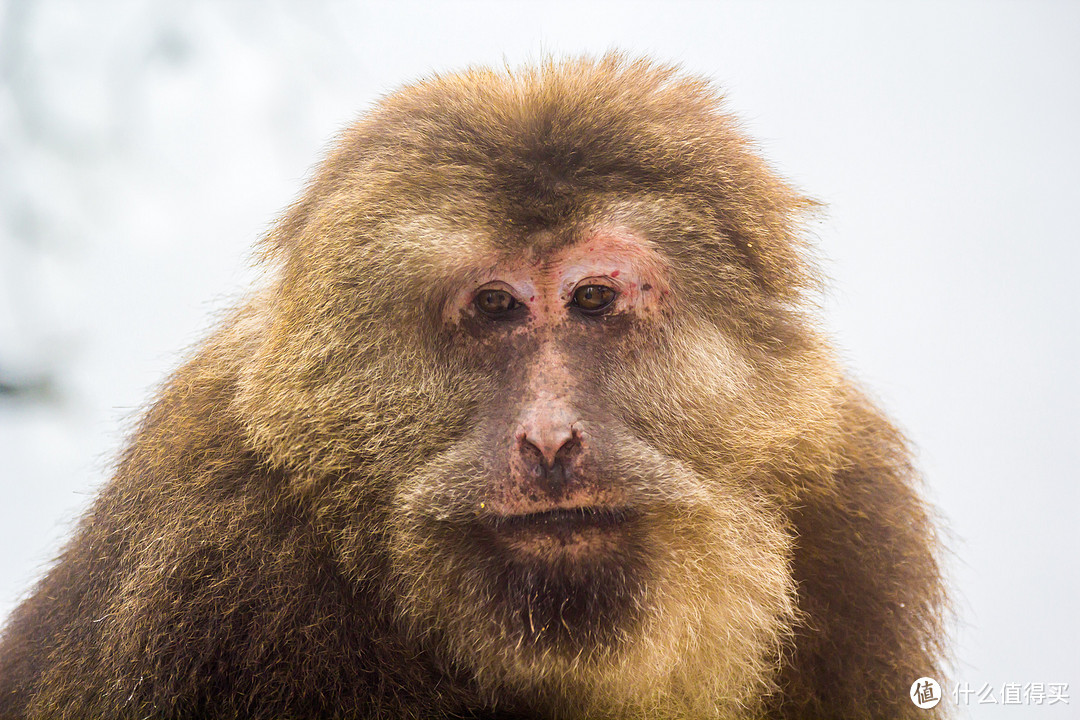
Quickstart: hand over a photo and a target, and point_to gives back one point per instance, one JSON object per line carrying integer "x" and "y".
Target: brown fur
{"x": 267, "y": 547}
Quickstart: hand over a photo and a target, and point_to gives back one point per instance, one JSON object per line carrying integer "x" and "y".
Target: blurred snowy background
{"x": 144, "y": 146}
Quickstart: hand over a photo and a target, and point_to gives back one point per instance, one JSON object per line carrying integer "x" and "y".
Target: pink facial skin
{"x": 549, "y": 462}
{"x": 612, "y": 256}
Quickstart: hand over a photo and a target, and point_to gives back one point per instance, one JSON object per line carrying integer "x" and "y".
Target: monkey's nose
{"x": 548, "y": 433}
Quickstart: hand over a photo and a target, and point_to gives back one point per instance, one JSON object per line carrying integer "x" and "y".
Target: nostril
{"x": 568, "y": 446}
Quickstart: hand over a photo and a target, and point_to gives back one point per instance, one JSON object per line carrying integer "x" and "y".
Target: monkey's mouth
{"x": 562, "y": 531}
{"x": 558, "y": 519}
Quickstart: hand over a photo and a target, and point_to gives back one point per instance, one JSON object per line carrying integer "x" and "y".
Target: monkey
{"x": 530, "y": 416}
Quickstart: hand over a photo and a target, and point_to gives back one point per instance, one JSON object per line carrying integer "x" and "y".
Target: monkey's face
{"x": 565, "y": 544}
{"x": 541, "y": 493}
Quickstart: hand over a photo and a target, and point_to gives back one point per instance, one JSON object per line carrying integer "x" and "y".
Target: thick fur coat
{"x": 278, "y": 540}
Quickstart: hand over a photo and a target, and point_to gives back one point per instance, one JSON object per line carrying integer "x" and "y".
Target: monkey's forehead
{"x": 534, "y": 142}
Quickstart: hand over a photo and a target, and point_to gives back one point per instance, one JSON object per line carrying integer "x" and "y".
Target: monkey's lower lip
{"x": 562, "y": 534}
{"x": 559, "y": 520}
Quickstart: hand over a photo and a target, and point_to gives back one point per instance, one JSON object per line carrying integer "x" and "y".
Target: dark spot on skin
{"x": 532, "y": 298}
{"x": 646, "y": 286}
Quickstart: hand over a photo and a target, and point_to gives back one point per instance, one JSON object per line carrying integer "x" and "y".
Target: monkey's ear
{"x": 774, "y": 245}
{"x": 334, "y": 186}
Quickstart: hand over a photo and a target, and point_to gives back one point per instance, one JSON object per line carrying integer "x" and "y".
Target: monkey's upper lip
{"x": 561, "y": 519}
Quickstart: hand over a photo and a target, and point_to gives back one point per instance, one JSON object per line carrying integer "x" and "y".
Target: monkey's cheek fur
{"x": 678, "y": 609}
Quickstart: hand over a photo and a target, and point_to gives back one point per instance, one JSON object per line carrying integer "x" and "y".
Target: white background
{"x": 145, "y": 146}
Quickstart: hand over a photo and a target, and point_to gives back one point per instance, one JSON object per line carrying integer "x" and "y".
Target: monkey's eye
{"x": 495, "y": 302}
{"x": 593, "y": 299}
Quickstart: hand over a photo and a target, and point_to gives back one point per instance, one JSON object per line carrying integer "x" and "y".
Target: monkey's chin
{"x": 562, "y": 534}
